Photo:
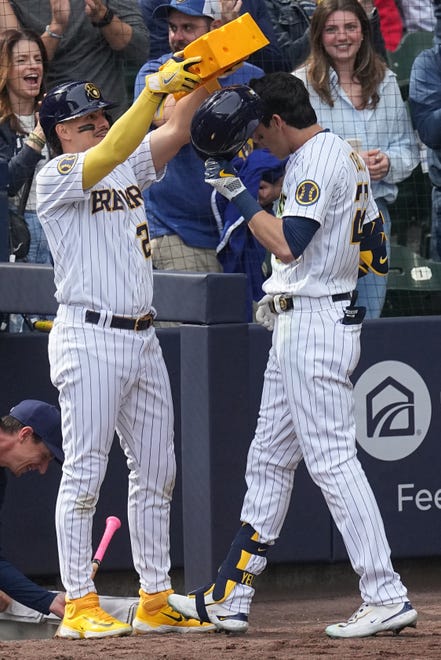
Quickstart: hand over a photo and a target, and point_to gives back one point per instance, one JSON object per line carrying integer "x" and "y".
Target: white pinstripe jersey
{"x": 99, "y": 237}
{"x": 328, "y": 182}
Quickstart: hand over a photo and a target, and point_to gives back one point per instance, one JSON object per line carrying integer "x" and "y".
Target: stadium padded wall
{"x": 216, "y": 369}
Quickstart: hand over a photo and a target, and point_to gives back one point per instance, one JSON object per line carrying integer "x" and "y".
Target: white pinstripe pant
{"x": 112, "y": 379}
{"x": 307, "y": 411}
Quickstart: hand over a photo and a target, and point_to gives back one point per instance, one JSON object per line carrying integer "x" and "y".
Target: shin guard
{"x": 246, "y": 559}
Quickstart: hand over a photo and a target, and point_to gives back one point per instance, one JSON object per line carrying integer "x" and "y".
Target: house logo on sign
{"x": 398, "y": 417}
{"x": 392, "y": 412}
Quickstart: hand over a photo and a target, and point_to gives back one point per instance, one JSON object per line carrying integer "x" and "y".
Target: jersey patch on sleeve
{"x": 67, "y": 163}
{"x": 307, "y": 193}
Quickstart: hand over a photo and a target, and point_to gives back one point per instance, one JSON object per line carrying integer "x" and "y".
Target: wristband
{"x": 54, "y": 35}
{"x": 106, "y": 19}
{"x": 247, "y": 205}
{"x": 33, "y": 137}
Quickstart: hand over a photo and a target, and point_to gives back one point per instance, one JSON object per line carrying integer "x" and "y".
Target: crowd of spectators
{"x": 102, "y": 40}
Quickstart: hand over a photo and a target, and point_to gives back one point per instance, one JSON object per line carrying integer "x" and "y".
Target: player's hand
{"x": 58, "y": 604}
{"x": 264, "y": 315}
{"x": 223, "y": 177}
{"x": 5, "y": 601}
{"x": 174, "y": 76}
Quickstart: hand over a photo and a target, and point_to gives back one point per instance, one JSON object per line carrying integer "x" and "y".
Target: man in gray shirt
{"x": 86, "y": 40}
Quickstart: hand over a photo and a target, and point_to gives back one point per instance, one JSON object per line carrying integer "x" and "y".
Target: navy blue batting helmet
{"x": 69, "y": 101}
{"x": 225, "y": 121}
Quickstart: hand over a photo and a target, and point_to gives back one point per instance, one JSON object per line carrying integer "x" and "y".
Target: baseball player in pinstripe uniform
{"x": 327, "y": 220}
{"x": 104, "y": 355}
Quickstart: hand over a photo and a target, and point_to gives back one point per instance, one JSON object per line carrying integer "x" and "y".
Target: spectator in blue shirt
{"x": 270, "y": 58}
{"x": 183, "y": 229}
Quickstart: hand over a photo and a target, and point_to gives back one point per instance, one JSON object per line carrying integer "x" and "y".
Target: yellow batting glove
{"x": 174, "y": 76}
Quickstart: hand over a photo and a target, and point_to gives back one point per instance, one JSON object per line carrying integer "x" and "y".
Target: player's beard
{"x": 177, "y": 46}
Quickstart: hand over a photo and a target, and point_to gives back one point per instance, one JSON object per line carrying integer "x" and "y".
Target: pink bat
{"x": 112, "y": 524}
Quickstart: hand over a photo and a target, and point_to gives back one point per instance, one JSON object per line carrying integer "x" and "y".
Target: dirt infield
{"x": 282, "y": 627}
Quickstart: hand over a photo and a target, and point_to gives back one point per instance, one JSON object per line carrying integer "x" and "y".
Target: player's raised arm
{"x": 168, "y": 139}
{"x": 128, "y": 131}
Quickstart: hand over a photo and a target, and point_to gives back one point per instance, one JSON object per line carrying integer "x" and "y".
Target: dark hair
{"x": 8, "y": 39}
{"x": 285, "y": 95}
{"x": 10, "y": 425}
{"x": 369, "y": 68}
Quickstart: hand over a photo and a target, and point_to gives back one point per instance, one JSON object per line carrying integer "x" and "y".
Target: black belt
{"x": 286, "y": 303}
{"x": 121, "y": 322}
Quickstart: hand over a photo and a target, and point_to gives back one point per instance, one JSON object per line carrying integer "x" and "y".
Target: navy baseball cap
{"x": 45, "y": 421}
{"x": 209, "y": 8}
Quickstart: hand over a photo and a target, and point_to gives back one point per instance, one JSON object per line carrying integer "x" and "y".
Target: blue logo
{"x": 307, "y": 193}
{"x": 66, "y": 164}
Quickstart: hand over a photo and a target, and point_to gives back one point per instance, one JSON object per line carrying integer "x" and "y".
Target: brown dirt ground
{"x": 282, "y": 627}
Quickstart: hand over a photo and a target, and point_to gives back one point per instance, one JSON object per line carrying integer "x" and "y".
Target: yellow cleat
{"x": 84, "y": 619}
{"x": 154, "y": 615}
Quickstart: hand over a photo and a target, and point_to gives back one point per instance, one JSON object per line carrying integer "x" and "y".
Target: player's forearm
{"x": 286, "y": 237}
{"x": 184, "y": 111}
{"x": 268, "y": 230}
{"x": 169, "y": 138}
{"x": 122, "y": 139}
